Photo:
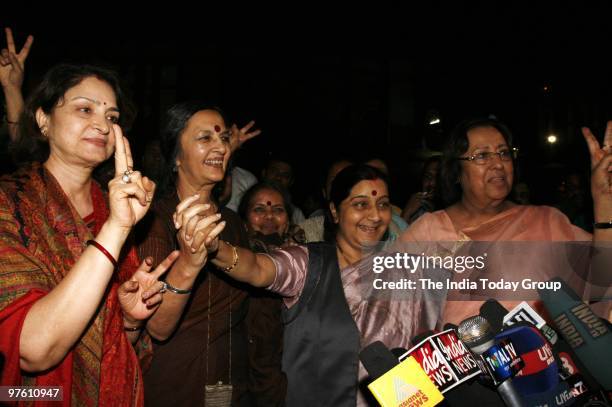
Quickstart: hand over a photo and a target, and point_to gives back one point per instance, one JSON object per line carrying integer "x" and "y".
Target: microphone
{"x": 500, "y": 359}
{"x": 445, "y": 359}
{"x": 396, "y": 384}
{"x": 540, "y": 373}
{"x": 451, "y": 367}
{"x": 494, "y": 313}
{"x": 524, "y": 313}
{"x": 377, "y": 359}
{"x": 577, "y": 385}
{"x": 586, "y": 333}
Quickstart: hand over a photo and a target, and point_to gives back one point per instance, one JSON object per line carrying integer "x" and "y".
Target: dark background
{"x": 360, "y": 82}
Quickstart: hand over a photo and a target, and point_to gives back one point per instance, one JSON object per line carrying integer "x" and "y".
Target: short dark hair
{"x": 341, "y": 189}
{"x": 248, "y": 196}
{"x": 457, "y": 145}
{"x": 31, "y": 145}
{"x": 175, "y": 121}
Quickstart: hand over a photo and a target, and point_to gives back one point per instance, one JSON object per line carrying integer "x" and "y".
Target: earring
{"x": 43, "y": 131}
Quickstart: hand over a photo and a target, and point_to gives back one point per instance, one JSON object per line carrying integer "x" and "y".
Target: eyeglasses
{"x": 487, "y": 156}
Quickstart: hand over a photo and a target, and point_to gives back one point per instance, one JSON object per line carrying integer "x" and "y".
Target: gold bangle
{"x": 235, "y": 257}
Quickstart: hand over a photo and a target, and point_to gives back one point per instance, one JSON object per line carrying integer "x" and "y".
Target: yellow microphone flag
{"x": 406, "y": 385}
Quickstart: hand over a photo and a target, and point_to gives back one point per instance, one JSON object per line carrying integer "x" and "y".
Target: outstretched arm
{"x": 241, "y": 264}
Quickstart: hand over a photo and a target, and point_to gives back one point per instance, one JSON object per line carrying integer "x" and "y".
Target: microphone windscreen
{"x": 493, "y": 312}
{"x": 540, "y": 373}
{"x": 377, "y": 359}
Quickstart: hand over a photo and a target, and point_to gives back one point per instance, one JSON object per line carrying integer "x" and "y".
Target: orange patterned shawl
{"x": 41, "y": 237}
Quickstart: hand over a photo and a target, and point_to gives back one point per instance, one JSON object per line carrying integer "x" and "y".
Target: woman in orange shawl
{"x": 66, "y": 317}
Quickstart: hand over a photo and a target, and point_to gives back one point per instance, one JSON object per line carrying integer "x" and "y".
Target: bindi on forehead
{"x": 269, "y": 203}
{"x": 217, "y": 128}
{"x": 374, "y": 192}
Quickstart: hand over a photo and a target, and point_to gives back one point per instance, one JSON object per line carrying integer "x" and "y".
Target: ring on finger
{"x": 125, "y": 178}
{"x": 164, "y": 287}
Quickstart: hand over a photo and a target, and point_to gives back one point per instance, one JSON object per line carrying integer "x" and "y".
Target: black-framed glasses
{"x": 486, "y": 156}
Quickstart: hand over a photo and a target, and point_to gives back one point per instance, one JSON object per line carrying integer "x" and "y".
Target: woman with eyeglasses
{"x": 476, "y": 176}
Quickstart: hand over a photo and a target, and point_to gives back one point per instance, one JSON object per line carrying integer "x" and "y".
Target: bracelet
{"x": 168, "y": 287}
{"x": 235, "y": 257}
{"x": 132, "y": 329}
{"x": 103, "y": 250}
{"x": 603, "y": 225}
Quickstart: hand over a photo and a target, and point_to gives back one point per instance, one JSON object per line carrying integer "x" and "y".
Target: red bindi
{"x": 374, "y": 193}
{"x": 217, "y": 128}
{"x": 269, "y": 203}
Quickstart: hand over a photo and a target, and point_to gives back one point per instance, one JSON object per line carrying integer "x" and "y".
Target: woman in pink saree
{"x": 476, "y": 179}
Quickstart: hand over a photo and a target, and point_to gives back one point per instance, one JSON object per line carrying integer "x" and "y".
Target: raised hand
{"x": 240, "y": 136}
{"x": 12, "y": 63}
{"x": 194, "y": 223}
{"x": 140, "y": 296}
{"x": 130, "y": 194}
{"x": 601, "y": 172}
